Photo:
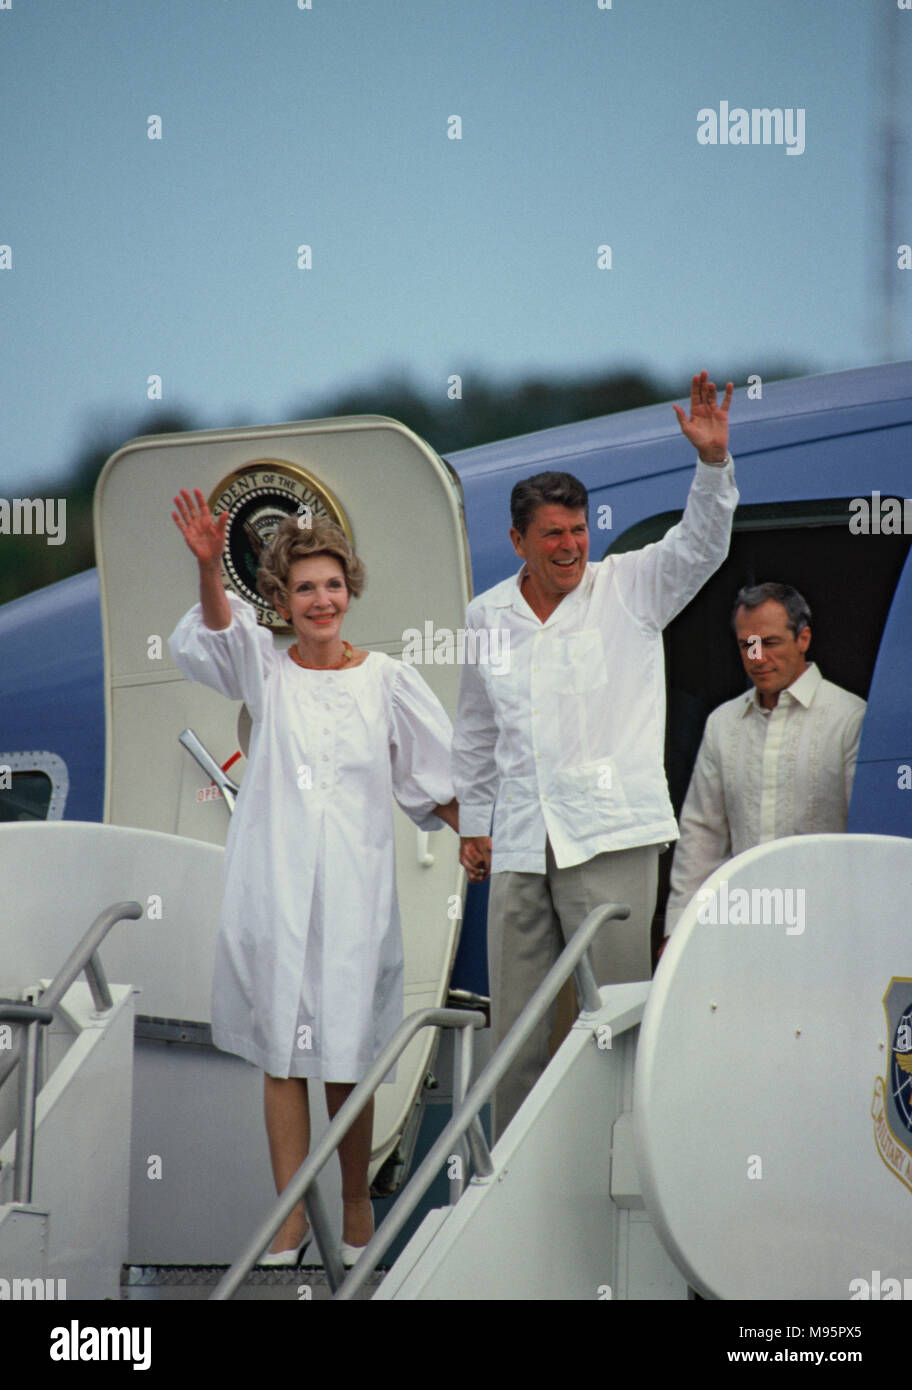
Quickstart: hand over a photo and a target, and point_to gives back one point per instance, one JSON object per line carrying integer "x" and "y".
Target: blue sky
{"x": 328, "y": 127}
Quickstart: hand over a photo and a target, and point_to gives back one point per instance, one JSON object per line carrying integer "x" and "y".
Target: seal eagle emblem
{"x": 257, "y": 497}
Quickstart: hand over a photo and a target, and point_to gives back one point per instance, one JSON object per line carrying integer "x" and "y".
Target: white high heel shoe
{"x": 351, "y": 1254}
{"x": 286, "y": 1259}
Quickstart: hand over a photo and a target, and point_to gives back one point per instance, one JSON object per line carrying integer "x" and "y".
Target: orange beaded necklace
{"x": 336, "y": 666}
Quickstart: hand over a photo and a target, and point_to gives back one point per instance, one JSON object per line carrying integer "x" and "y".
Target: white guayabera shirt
{"x": 309, "y": 966}
{"x": 763, "y": 774}
{"x": 565, "y": 741}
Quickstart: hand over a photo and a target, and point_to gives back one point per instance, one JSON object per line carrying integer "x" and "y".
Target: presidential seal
{"x": 891, "y": 1107}
{"x": 257, "y": 498}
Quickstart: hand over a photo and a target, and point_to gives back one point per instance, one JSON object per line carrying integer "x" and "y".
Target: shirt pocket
{"x": 507, "y": 685}
{"x": 580, "y": 663}
{"x": 592, "y": 799}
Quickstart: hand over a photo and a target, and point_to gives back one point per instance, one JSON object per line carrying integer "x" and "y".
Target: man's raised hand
{"x": 707, "y": 427}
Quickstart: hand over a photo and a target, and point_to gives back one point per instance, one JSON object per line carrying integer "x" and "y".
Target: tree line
{"x": 485, "y": 411}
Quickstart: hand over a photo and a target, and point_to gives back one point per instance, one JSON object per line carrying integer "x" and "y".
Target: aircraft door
{"x": 402, "y": 507}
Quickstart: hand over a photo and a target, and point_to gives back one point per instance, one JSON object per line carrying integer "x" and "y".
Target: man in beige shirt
{"x": 778, "y": 760}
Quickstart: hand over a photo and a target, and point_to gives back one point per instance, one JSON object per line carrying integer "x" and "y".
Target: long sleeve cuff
{"x": 710, "y": 473}
{"x": 475, "y": 820}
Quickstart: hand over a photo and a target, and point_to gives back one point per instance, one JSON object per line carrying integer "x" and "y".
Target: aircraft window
{"x": 33, "y": 786}
{"x": 847, "y": 579}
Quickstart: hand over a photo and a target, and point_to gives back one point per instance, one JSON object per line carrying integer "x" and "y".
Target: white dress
{"x": 309, "y": 967}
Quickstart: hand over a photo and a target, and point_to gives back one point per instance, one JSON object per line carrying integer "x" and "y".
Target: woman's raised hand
{"x": 204, "y": 534}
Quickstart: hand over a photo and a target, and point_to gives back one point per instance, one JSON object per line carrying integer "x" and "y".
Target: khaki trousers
{"x": 531, "y": 917}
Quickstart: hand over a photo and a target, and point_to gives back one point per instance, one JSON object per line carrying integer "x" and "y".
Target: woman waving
{"x": 309, "y": 966}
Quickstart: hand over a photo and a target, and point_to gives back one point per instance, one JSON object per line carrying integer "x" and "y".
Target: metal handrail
{"x": 464, "y": 1124}
{"x": 82, "y": 957}
{"x": 31, "y": 1018}
{"x": 304, "y": 1178}
{"x": 465, "y": 1121}
{"x": 198, "y": 750}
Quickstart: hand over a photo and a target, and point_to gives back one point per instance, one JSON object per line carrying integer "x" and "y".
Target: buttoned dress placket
{"x": 313, "y": 781}
{"x": 325, "y": 714}
{"x": 543, "y": 696}
{"x": 544, "y": 740}
{"x": 775, "y": 722}
{"x": 539, "y": 734}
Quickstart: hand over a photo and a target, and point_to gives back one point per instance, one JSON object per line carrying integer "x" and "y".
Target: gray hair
{"x": 751, "y": 597}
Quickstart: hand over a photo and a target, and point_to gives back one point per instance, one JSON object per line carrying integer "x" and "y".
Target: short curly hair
{"x": 292, "y": 542}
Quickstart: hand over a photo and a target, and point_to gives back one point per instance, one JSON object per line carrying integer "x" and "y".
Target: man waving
{"x": 561, "y": 748}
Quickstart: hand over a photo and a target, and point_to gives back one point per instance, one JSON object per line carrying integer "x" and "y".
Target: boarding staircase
{"x": 76, "y": 1038}
{"x": 105, "y": 1014}
{"x": 97, "y": 1063}
{"x": 607, "y": 1182}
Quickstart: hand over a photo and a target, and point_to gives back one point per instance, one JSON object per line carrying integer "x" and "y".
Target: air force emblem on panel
{"x": 891, "y": 1107}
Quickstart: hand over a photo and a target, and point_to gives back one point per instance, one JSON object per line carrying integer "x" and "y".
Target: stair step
{"x": 182, "y": 1282}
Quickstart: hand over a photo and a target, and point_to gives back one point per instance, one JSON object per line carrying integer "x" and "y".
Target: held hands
{"x": 475, "y": 856}
{"x": 203, "y": 533}
{"x": 474, "y": 850}
{"x": 707, "y": 428}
